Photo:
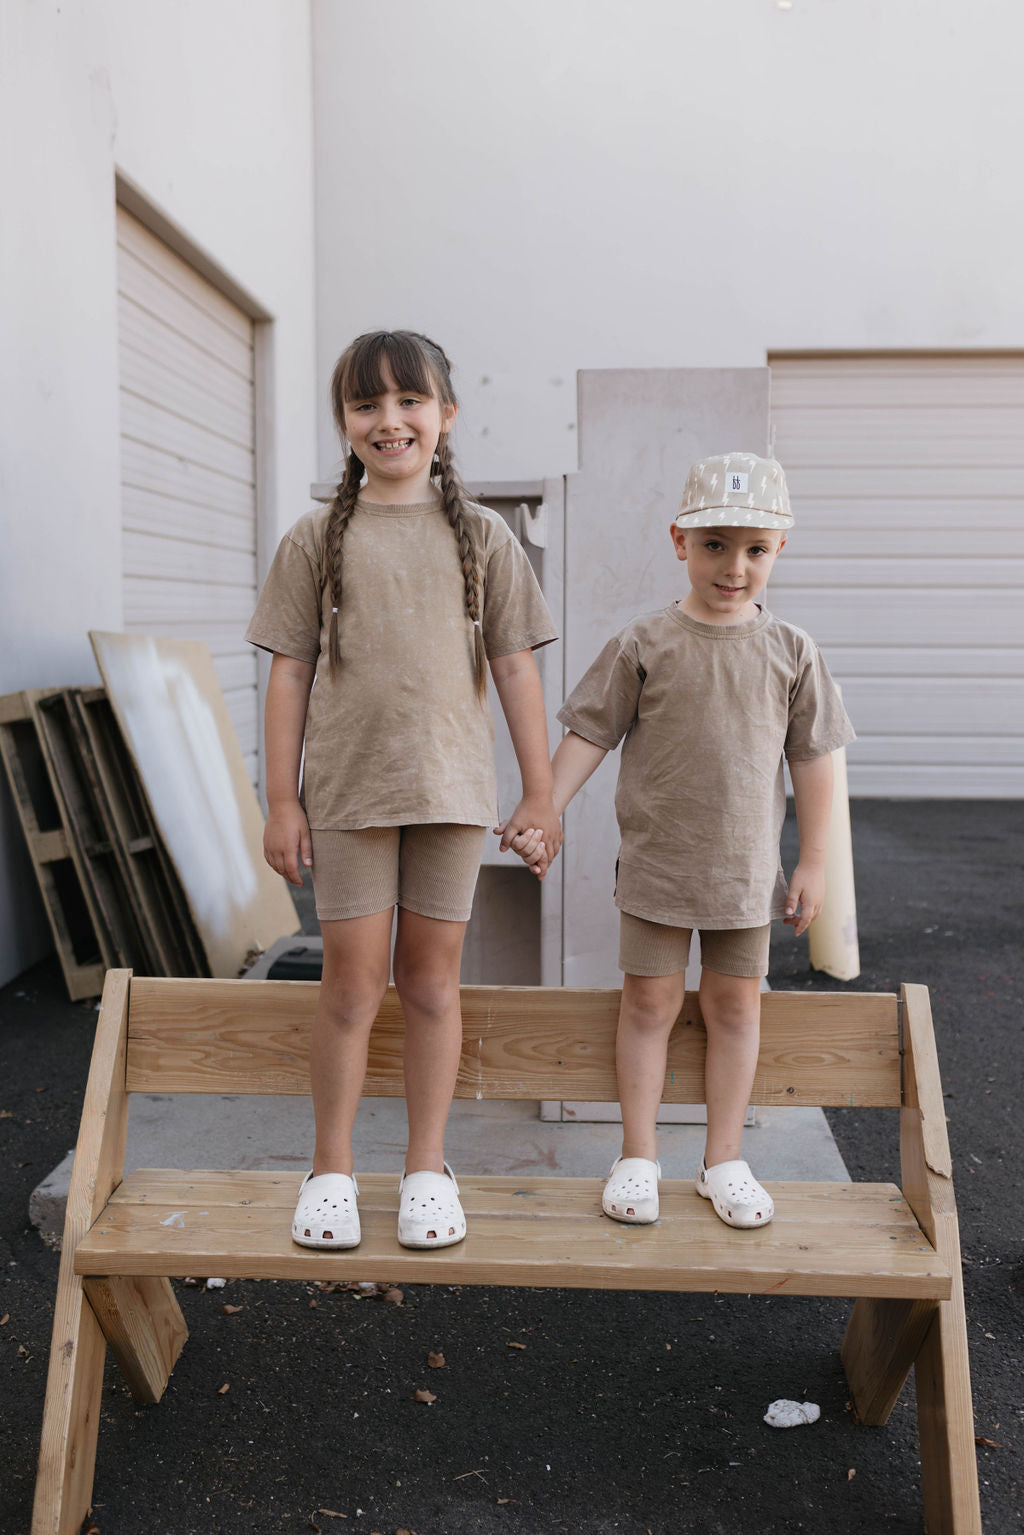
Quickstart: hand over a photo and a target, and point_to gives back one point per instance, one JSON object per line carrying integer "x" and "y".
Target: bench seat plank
{"x": 838, "y": 1239}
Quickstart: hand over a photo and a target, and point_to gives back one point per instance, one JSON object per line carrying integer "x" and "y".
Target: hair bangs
{"x": 386, "y": 359}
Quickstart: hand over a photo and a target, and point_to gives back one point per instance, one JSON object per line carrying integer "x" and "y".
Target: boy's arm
{"x": 571, "y": 766}
{"x": 286, "y": 835}
{"x": 812, "y": 796}
{"x": 518, "y": 684}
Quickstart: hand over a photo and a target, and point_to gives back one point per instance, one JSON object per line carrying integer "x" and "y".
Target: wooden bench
{"x": 896, "y": 1253}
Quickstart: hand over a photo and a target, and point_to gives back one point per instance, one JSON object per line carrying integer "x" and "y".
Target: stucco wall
{"x": 586, "y": 184}
{"x": 207, "y": 109}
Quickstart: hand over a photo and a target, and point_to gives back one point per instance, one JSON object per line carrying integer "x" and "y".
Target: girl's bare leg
{"x": 357, "y": 959}
{"x": 428, "y": 954}
{"x": 650, "y": 1006}
{"x": 731, "y": 1005}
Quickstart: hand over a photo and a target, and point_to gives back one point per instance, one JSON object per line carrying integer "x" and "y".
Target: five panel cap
{"x": 735, "y": 490}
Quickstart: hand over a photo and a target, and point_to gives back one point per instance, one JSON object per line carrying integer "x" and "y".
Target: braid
{"x": 452, "y": 497}
{"x": 342, "y": 507}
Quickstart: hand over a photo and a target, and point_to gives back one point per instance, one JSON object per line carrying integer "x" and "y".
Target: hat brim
{"x": 734, "y": 517}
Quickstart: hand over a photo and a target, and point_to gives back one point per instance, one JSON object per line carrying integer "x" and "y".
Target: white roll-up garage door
{"x": 907, "y": 559}
{"x": 188, "y": 479}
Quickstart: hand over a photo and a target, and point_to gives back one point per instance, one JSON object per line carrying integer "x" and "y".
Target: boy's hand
{"x": 534, "y": 813}
{"x": 530, "y": 846}
{"x": 806, "y": 890}
{"x": 286, "y": 840}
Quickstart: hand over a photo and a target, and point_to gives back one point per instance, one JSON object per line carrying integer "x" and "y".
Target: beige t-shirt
{"x": 708, "y": 711}
{"x": 398, "y": 735}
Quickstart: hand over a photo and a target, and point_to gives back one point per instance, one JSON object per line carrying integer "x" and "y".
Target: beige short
{"x": 652, "y": 948}
{"x": 430, "y": 869}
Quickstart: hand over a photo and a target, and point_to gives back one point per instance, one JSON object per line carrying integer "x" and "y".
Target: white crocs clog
{"x": 631, "y": 1193}
{"x": 326, "y": 1214}
{"x": 429, "y": 1212}
{"x": 738, "y": 1198}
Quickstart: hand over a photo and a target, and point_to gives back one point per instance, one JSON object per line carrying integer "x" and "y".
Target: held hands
{"x": 534, "y": 831}
{"x": 806, "y": 891}
{"x": 286, "y": 841}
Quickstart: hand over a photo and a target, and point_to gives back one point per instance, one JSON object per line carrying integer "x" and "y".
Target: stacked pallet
{"x": 111, "y": 893}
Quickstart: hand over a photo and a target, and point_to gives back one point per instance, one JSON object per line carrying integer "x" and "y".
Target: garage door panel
{"x": 950, "y": 707}
{"x": 907, "y": 559}
{"x": 194, "y": 397}
{"x": 188, "y": 510}
{"x": 139, "y": 243}
{"x": 911, "y": 661}
{"x": 935, "y": 781}
{"x": 144, "y": 512}
{"x": 148, "y": 423}
{"x": 149, "y": 470}
{"x": 918, "y": 618}
{"x": 882, "y": 570}
{"x": 176, "y": 559}
{"x": 151, "y": 600}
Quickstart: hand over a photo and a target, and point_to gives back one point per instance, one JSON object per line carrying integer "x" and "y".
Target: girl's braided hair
{"x": 419, "y": 365}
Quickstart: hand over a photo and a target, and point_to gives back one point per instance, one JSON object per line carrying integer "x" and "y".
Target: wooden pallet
{"x": 75, "y": 921}
{"x": 174, "y": 944}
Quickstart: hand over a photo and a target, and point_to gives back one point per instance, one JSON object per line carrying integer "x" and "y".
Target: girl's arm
{"x": 522, "y": 700}
{"x": 286, "y": 835}
{"x": 812, "y": 796}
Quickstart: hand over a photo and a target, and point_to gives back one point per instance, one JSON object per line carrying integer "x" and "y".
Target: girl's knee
{"x": 649, "y": 1003}
{"x": 351, "y": 1004}
{"x": 425, "y": 992}
{"x": 730, "y": 1001}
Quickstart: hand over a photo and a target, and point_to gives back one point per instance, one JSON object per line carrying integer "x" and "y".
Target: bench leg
{"x": 71, "y": 1415}
{"x": 143, "y": 1324}
{"x": 883, "y": 1338}
{"x": 945, "y": 1419}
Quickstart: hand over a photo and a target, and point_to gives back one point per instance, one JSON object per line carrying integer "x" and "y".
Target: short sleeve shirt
{"x": 706, "y": 714}
{"x": 398, "y": 735}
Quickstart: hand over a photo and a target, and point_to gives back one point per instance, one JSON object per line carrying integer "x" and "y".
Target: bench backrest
{"x": 529, "y": 1042}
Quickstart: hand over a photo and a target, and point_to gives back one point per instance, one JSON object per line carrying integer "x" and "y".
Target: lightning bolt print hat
{"x": 736, "y": 490}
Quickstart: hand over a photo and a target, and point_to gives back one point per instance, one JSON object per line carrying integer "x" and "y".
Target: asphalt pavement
{"x": 558, "y": 1411}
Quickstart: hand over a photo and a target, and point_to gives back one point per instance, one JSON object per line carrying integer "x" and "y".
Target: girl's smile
{"x": 395, "y": 434}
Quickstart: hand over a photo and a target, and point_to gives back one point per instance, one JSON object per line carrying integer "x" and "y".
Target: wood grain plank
{"x": 142, "y": 1322}
{"x": 519, "y": 1043}
{"x": 74, "y": 1380}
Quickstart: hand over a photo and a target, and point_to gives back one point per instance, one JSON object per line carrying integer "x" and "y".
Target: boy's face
{"x": 728, "y": 570}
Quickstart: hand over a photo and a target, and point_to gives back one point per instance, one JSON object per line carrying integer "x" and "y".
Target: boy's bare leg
{"x": 428, "y": 954}
{"x": 731, "y": 1006}
{"x": 357, "y": 960}
{"x": 650, "y": 1006}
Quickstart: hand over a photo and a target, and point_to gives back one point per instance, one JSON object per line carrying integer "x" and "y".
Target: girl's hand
{"x": 806, "y": 890}
{"x": 529, "y": 844}
{"x": 286, "y": 840}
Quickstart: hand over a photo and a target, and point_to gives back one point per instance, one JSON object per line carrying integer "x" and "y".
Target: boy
{"x": 710, "y": 693}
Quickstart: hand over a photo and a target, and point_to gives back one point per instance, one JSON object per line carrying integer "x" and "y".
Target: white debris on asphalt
{"x": 784, "y": 1414}
{"x": 216, "y": 1284}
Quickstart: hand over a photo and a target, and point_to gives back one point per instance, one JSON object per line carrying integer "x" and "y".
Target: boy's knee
{"x": 649, "y": 1004}
{"x": 426, "y": 993}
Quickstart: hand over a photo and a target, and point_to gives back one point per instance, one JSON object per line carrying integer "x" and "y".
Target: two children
{"x": 384, "y": 611}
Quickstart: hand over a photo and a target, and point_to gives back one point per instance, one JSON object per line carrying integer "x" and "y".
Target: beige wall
{"x": 206, "y": 107}
{"x": 562, "y": 184}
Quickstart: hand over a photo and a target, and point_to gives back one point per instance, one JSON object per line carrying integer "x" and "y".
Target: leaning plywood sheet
{"x": 173, "y": 716}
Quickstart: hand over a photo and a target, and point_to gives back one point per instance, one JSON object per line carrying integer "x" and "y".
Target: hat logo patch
{"x": 737, "y": 483}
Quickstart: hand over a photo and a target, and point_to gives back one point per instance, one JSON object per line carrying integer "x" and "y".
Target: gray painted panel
{"x": 640, "y": 430}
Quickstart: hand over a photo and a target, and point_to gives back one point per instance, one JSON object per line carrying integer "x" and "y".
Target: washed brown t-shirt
{"x": 708, "y": 712}
{"x": 399, "y": 736}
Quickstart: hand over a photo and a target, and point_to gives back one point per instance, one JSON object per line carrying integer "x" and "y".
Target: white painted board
{"x": 175, "y": 721}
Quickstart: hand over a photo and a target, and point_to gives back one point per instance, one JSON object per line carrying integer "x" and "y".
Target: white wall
{"x": 552, "y": 185}
{"x": 207, "y": 108}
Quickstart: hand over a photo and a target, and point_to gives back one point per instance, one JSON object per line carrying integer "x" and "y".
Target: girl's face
{"x": 728, "y": 570}
{"x": 394, "y": 434}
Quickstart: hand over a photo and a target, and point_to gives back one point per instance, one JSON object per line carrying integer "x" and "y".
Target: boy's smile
{"x": 728, "y": 570}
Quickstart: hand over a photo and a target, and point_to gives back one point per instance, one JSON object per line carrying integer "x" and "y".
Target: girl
{"x": 382, "y": 611}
